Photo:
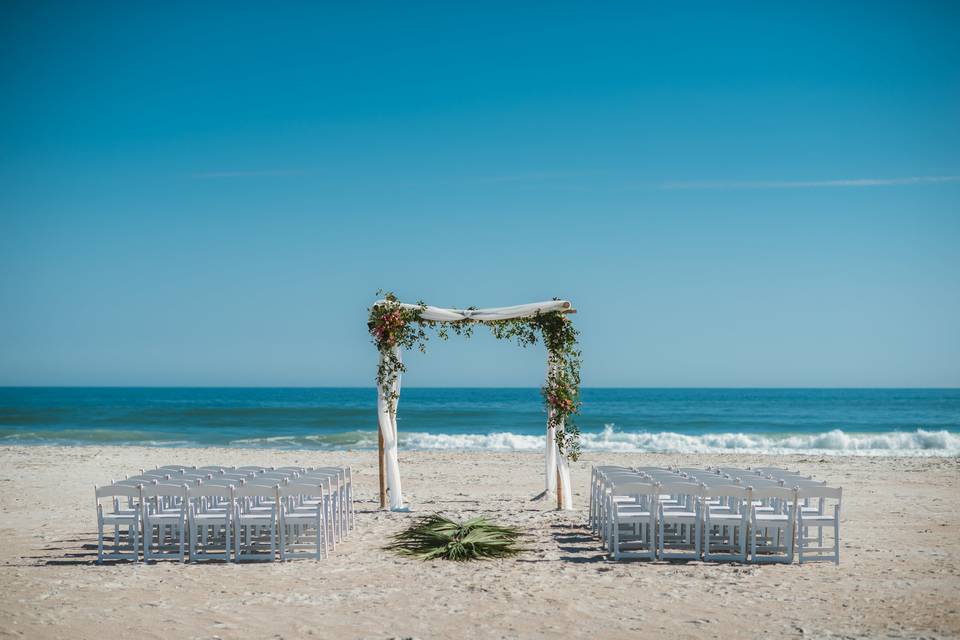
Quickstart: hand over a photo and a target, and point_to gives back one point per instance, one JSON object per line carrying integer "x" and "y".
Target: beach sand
{"x": 899, "y": 574}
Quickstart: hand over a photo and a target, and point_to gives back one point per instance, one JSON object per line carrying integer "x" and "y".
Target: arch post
{"x": 383, "y": 477}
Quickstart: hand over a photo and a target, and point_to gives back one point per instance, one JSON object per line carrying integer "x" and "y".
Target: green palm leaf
{"x": 435, "y": 536}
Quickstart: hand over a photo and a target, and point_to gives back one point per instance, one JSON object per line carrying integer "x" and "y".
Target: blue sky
{"x": 732, "y": 194}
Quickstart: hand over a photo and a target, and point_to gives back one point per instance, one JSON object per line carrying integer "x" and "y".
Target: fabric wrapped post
{"x": 388, "y": 428}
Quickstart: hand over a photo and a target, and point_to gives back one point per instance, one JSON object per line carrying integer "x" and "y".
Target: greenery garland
{"x": 393, "y": 327}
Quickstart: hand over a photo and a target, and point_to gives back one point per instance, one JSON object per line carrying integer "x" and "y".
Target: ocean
{"x": 821, "y": 421}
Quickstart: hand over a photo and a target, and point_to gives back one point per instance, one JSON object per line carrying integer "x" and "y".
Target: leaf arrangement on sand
{"x": 435, "y": 536}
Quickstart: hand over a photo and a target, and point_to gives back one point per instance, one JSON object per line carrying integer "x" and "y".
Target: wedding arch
{"x": 396, "y": 326}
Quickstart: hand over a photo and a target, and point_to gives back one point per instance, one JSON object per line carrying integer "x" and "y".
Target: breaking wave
{"x": 836, "y": 442}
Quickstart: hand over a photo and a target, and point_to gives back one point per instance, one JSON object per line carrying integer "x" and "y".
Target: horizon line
{"x": 373, "y": 387}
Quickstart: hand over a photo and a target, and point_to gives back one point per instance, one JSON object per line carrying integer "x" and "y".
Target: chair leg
{"x": 696, "y": 533}
{"x": 136, "y": 540}
{"x": 193, "y": 541}
{"x": 616, "y": 539}
{"x": 836, "y": 540}
{"x": 273, "y": 542}
{"x": 236, "y": 541}
{"x": 660, "y": 539}
{"x": 789, "y": 542}
{"x": 801, "y": 540}
{"x": 743, "y": 541}
{"x": 182, "y": 532}
{"x": 319, "y": 524}
{"x": 706, "y": 540}
{"x": 147, "y": 540}
{"x": 99, "y": 542}
{"x": 326, "y": 551}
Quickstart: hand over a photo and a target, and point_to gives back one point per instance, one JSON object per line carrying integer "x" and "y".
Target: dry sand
{"x": 899, "y": 574}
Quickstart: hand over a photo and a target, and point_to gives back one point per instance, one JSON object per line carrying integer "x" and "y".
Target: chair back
{"x": 256, "y": 490}
{"x": 301, "y": 489}
{"x": 772, "y": 491}
{"x": 736, "y": 491}
{"x": 819, "y": 491}
{"x": 682, "y": 486}
{"x": 169, "y": 490}
{"x": 119, "y": 490}
{"x": 211, "y": 490}
{"x": 635, "y": 487}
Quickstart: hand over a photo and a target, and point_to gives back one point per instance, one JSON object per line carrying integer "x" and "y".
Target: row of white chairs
{"x": 714, "y": 514}
{"x": 225, "y": 513}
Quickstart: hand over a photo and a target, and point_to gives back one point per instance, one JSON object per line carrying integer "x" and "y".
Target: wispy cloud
{"x": 532, "y": 176}
{"x": 806, "y": 184}
{"x": 265, "y": 173}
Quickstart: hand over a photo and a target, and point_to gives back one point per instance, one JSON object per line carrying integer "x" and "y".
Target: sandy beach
{"x": 899, "y": 575}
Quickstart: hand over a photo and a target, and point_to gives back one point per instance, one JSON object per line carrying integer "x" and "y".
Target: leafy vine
{"x": 394, "y": 326}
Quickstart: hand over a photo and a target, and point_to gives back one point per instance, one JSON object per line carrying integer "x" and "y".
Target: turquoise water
{"x": 862, "y": 421}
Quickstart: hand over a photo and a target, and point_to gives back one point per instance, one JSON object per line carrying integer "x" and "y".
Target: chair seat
{"x": 679, "y": 515}
{"x": 771, "y": 517}
{"x": 726, "y": 517}
{"x": 165, "y": 516}
{"x": 119, "y": 518}
{"x": 301, "y": 515}
{"x": 210, "y": 517}
{"x": 631, "y": 507}
{"x": 260, "y": 509}
{"x": 255, "y": 518}
{"x": 621, "y": 514}
{"x": 815, "y": 518}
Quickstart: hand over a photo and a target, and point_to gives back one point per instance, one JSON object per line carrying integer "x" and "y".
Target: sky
{"x": 731, "y": 194}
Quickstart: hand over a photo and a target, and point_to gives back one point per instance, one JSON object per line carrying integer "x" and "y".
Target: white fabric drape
{"x": 566, "y": 490}
{"x": 388, "y": 423}
{"x": 556, "y": 461}
{"x": 388, "y": 427}
{"x": 438, "y": 314}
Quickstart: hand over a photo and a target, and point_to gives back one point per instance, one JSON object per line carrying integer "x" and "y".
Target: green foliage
{"x": 394, "y": 326}
{"x": 435, "y": 536}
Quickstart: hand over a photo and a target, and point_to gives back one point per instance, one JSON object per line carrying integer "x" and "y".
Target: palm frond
{"x": 436, "y": 536}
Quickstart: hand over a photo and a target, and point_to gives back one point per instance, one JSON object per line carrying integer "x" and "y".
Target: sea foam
{"x": 835, "y": 442}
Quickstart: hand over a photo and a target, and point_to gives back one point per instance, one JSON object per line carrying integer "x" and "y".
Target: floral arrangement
{"x": 394, "y": 326}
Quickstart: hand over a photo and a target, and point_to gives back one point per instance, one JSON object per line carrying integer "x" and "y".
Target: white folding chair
{"x": 597, "y": 475}
{"x": 640, "y": 518}
{"x": 726, "y": 524}
{"x": 679, "y": 528}
{"x": 210, "y": 521}
{"x": 119, "y": 517}
{"x": 338, "y": 496}
{"x": 255, "y": 521}
{"x": 820, "y": 521}
{"x": 609, "y": 498}
{"x": 303, "y": 520}
{"x": 774, "y": 529}
{"x": 164, "y": 507}
{"x": 345, "y": 493}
